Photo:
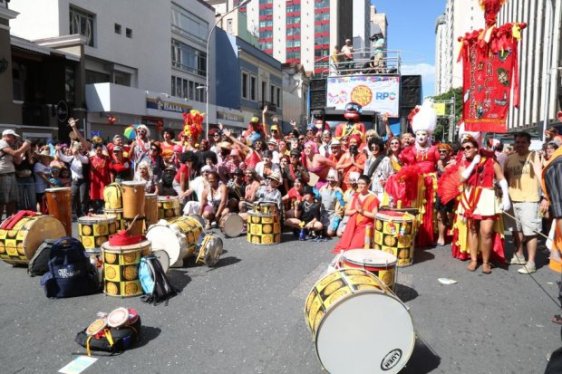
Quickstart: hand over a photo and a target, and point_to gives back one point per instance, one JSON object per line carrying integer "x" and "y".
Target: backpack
{"x": 168, "y": 176}
{"x": 70, "y": 271}
{"x": 39, "y": 263}
{"x": 122, "y": 338}
{"x": 154, "y": 282}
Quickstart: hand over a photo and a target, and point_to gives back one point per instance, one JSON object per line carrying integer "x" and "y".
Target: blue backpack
{"x": 70, "y": 271}
{"x": 154, "y": 282}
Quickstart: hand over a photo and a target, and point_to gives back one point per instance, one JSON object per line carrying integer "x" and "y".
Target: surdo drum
{"x": 59, "y": 205}
{"x": 151, "y": 209}
{"x": 395, "y": 233}
{"x": 264, "y": 225}
{"x": 379, "y": 263}
{"x": 178, "y": 237}
{"x": 231, "y": 225}
{"x": 120, "y": 268}
{"x": 94, "y": 230}
{"x": 358, "y": 324}
{"x": 133, "y": 199}
{"x": 168, "y": 207}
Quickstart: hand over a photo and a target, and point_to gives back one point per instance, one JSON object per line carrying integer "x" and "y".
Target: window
{"x": 272, "y": 94}
{"x": 278, "y": 102}
{"x": 83, "y": 23}
{"x": 117, "y": 28}
{"x": 191, "y": 95}
{"x": 186, "y": 22}
{"x": 263, "y": 90}
{"x": 244, "y": 85}
{"x": 128, "y": 32}
{"x": 187, "y": 89}
{"x": 229, "y": 25}
{"x": 253, "y": 88}
{"x": 188, "y": 59}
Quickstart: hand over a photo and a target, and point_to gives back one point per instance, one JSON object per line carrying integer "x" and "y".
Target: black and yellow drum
{"x": 113, "y": 196}
{"x": 168, "y": 207}
{"x": 178, "y": 237}
{"x": 264, "y": 226}
{"x": 18, "y": 244}
{"x": 395, "y": 233}
{"x": 351, "y": 313}
{"x": 94, "y": 230}
{"x": 120, "y": 268}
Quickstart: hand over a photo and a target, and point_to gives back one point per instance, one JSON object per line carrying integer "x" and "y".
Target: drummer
{"x": 236, "y": 188}
{"x": 269, "y": 192}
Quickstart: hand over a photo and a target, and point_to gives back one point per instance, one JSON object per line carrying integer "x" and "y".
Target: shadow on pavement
{"x": 423, "y": 359}
{"x": 405, "y": 293}
{"x": 225, "y": 261}
{"x": 148, "y": 333}
{"x": 422, "y": 255}
{"x": 178, "y": 278}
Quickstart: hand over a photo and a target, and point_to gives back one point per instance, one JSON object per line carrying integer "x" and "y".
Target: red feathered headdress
{"x": 193, "y": 124}
{"x": 491, "y": 10}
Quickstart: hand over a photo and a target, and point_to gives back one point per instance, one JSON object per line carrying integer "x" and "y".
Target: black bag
{"x": 39, "y": 263}
{"x": 154, "y": 282}
{"x": 70, "y": 271}
{"x": 123, "y": 337}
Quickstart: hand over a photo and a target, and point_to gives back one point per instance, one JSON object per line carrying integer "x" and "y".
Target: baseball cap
{"x": 9, "y": 132}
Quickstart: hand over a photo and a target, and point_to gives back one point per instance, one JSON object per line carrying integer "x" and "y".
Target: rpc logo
{"x": 385, "y": 96}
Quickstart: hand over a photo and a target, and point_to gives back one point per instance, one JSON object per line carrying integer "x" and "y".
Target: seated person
{"x": 213, "y": 200}
{"x": 293, "y": 198}
{"x": 361, "y": 212}
{"x": 267, "y": 193}
{"x": 236, "y": 189}
{"x": 331, "y": 196}
{"x": 307, "y": 216}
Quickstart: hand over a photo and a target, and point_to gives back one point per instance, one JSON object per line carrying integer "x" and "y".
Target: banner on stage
{"x": 374, "y": 93}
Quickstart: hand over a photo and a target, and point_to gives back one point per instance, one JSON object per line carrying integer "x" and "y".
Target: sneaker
{"x": 528, "y": 269}
{"x": 517, "y": 260}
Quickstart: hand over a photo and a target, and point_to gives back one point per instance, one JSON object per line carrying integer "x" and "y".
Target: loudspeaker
{"x": 318, "y": 89}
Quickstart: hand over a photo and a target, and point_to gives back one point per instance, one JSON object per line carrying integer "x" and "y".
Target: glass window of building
{"x": 83, "y": 23}
{"x": 185, "y": 22}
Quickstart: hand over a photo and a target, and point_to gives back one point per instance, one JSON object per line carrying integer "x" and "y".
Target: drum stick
{"x": 526, "y": 224}
{"x": 132, "y": 223}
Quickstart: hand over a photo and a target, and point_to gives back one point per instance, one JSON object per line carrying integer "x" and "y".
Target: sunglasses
{"x": 467, "y": 148}
{"x": 442, "y": 151}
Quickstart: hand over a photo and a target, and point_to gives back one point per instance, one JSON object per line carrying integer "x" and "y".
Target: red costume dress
{"x": 99, "y": 176}
{"x": 425, "y": 162}
{"x": 354, "y": 235}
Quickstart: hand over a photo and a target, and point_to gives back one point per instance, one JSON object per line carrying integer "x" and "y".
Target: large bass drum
{"x": 178, "y": 237}
{"x": 358, "y": 324}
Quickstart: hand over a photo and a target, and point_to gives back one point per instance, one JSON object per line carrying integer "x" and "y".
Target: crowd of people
{"x": 326, "y": 183}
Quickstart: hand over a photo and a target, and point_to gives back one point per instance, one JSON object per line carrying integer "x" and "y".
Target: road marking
{"x": 301, "y": 291}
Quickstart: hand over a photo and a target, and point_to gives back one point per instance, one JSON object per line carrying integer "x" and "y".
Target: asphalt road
{"x": 246, "y": 316}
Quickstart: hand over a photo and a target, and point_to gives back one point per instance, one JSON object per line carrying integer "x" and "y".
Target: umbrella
{"x": 130, "y": 132}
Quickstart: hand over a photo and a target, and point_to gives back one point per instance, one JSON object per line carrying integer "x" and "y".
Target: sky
{"x": 411, "y": 31}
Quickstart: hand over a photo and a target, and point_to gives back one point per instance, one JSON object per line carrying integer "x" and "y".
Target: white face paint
{"x": 421, "y": 138}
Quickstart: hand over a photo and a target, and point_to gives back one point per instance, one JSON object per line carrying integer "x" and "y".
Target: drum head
{"x": 214, "y": 251}
{"x": 117, "y": 317}
{"x": 198, "y": 218}
{"x": 233, "y": 225}
{"x": 164, "y": 259}
{"x": 164, "y": 238}
{"x": 96, "y": 326}
{"x": 369, "y": 332}
{"x": 370, "y": 257}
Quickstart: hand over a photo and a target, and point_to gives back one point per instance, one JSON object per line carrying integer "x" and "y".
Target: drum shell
{"x": 93, "y": 231}
{"x": 385, "y": 272}
{"x": 210, "y": 243}
{"x": 179, "y": 237}
{"x": 18, "y": 245}
{"x": 395, "y": 233}
{"x": 151, "y": 209}
{"x": 120, "y": 222}
{"x": 120, "y": 268}
{"x": 263, "y": 229}
{"x": 334, "y": 291}
{"x": 133, "y": 199}
{"x": 138, "y": 228}
{"x": 59, "y": 204}
{"x": 113, "y": 196}
{"x": 168, "y": 207}
{"x": 231, "y": 225}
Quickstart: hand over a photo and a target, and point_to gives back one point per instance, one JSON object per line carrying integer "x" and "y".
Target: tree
{"x": 447, "y": 96}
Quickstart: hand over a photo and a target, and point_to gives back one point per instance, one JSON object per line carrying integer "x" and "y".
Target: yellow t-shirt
{"x": 524, "y": 184}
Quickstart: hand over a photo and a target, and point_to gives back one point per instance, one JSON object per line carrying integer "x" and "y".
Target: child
{"x": 307, "y": 216}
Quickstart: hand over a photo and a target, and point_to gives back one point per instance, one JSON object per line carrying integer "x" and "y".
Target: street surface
{"x": 246, "y": 316}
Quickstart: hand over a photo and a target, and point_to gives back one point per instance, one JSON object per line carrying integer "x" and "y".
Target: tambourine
{"x": 96, "y": 327}
{"x": 210, "y": 250}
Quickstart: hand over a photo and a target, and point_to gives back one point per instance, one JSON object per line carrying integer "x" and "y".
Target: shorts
{"x": 329, "y": 220}
{"x": 527, "y": 218}
{"x": 8, "y": 188}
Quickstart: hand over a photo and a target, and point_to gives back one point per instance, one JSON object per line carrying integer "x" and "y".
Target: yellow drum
{"x": 264, "y": 225}
{"x": 18, "y": 244}
{"x": 381, "y": 264}
{"x": 120, "y": 222}
{"x": 94, "y": 230}
{"x": 395, "y": 233}
{"x": 168, "y": 207}
{"x": 178, "y": 237}
{"x": 113, "y": 196}
{"x": 356, "y": 320}
{"x": 133, "y": 199}
{"x": 151, "y": 209}
{"x": 120, "y": 268}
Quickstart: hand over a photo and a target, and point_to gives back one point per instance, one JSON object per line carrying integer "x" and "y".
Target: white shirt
{"x": 75, "y": 161}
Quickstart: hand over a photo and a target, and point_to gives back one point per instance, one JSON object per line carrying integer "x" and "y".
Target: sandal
{"x": 486, "y": 268}
{"x": 472, "y": 266}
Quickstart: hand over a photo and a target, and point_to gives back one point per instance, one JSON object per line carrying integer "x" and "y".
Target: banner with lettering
{"x": 374, "y": 93}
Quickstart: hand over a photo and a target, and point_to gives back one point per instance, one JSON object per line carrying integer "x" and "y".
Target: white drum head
{"x": 370, "y": 257}
{"x": 164, "y": 238}
{"x": 117, "y": 317}
{"x": 164, "y": 259}
{"x": 233, "y": 225}
{"x": 369, "y": 332}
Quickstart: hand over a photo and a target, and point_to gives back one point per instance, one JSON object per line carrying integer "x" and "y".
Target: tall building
{"x": 460, "y": 17}
{"x": 301, "y": 31}
{"x": 540, "y": 62}
{"x": 378, "y": 22}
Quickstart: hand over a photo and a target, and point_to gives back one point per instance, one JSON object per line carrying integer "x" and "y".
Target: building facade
{"x": 460, "y": 17}
{"x": 540, "y": 62}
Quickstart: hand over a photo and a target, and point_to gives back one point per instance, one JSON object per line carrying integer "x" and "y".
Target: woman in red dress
{"x": 361, "y": 211}
{"x": 100, "y": 176}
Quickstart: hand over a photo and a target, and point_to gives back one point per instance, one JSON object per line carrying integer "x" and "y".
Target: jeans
{"x": 79, "y": 197}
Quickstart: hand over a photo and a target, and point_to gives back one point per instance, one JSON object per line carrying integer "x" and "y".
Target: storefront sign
{"x": 166, "y": 106}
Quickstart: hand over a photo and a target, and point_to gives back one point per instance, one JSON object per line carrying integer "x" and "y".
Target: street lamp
{"x": 207, "y": 63}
